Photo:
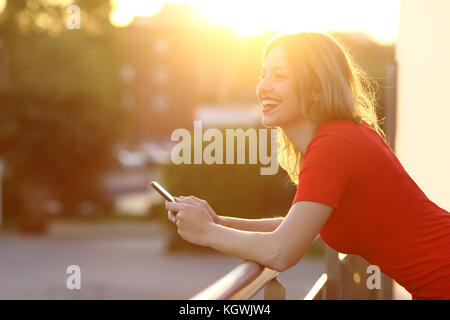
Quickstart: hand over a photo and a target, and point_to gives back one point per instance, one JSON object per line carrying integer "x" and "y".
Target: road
{"x": 120, "y": 266}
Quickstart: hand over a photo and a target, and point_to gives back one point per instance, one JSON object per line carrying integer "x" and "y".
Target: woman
{"x": 351, "y": 188}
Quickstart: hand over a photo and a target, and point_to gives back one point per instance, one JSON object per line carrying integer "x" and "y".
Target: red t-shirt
{"x": 379, "y": 212}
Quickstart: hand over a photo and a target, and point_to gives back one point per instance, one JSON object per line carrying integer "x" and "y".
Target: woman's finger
{"x": 204, "y": 204}
{"x": 198, "y": 202}
{"x": 195, "y": 200}
{"x": 171, "y": 216}
{"x": 174, "y": 206}
{"x": 187, "y": 200}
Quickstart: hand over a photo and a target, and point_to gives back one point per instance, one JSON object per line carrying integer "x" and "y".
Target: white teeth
{"x": 270, "y": 102}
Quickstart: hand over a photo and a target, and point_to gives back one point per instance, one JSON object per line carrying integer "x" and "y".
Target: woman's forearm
{"x": 260, "y": 247}
{"x": 261, "y": 225}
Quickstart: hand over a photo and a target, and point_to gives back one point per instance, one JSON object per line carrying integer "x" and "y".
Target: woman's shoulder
{"x": 344, "y": 130}
{"x": 341, "y": 124}
{"x": 337, "y": 130}
{"x": 344, "y": 134}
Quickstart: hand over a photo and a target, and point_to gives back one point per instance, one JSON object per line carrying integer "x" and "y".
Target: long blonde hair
{"x": 320, "y": 63}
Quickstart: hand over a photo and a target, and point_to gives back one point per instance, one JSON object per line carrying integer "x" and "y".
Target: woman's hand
{"x": 171, "y": 215}
{"x": 196, "y": 201}
{"x": 193, "y": 221}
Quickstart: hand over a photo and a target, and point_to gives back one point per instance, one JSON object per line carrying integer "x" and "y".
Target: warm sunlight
{"x": 377, "y": 18}
{"x": 125, "y": 10}
{"x": 2, "y": 5}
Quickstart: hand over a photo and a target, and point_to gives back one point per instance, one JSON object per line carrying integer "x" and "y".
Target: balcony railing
{"x": 247, "y": 279}
{"x": 341, "y": 281}
{"x": 243, "y": 283}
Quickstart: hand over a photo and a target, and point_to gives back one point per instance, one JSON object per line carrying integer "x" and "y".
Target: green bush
{"x": 231, "y": 190}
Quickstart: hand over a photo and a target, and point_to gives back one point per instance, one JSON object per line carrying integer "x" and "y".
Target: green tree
{"x": 60, "y": 112}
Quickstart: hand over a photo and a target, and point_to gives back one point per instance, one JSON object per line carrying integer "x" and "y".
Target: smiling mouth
{"x": 269, "y": 108}
{"x": 269, "y": 105}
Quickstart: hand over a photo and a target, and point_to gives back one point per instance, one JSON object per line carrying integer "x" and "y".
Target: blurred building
{"x": 160, "y": 71}
{"x": 423, "y": 97}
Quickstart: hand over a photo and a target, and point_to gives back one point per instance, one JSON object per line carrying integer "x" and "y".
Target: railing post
{"x": 274, "y": 290}
{"x": 347, "y": 278}
{"x": 333, "y": 287}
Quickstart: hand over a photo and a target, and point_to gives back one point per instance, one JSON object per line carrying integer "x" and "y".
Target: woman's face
{"x": 276, "y": 91}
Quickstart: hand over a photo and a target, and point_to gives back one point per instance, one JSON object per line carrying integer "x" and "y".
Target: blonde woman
{"x": 351, "y": 188}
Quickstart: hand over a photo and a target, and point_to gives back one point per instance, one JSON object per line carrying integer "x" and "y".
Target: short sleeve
{"x": 326, "y": 170}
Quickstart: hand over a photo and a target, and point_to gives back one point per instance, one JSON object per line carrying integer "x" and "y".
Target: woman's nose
{"x": 263, "y": 87}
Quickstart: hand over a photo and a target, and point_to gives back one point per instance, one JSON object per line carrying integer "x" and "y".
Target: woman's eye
{"x": 277, "y": 76}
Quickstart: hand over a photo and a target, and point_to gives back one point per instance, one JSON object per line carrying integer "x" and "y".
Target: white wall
{"x": 423, "y": 96}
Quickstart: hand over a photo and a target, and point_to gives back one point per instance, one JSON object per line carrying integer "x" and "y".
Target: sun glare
{"x": 125, "y": 10}
{"x": 378, "y": 18}
{"x": 2, "y": 5}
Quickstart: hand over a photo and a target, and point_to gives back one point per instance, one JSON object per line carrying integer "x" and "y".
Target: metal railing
{"x": 247, "y": 279}
{"x": 243, "y": 283}
{"x": 341, "y": 281}
{"x": 317, "y": 291}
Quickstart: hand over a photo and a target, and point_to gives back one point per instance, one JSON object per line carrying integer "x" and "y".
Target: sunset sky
{"x": 248, "y": 17}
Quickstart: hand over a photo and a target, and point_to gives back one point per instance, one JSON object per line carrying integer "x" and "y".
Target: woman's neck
{"x": 300, "y": 133}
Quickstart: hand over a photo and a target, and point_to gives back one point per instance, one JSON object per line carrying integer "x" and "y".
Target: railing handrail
{"x": 247, "y": 279}
{"x": 317, "y": 289}
{"x": 241, "y": 283}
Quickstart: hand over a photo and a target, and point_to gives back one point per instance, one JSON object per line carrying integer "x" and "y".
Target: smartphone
{"x": 162, "y": 191}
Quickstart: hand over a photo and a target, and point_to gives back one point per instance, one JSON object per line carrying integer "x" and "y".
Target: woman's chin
{"x": 268, "y": 122}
